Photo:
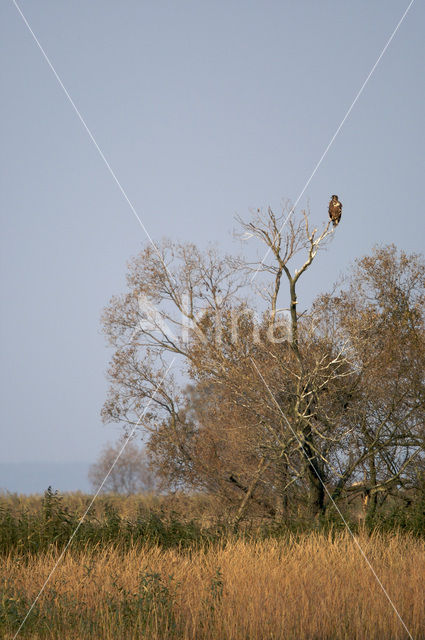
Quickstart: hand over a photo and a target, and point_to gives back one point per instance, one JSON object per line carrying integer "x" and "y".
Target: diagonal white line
{"x": 334, "y": 504}
{"x": 83, "y": 122}
{"x": 91, "y": 136}
{"x": 359, "y": 93}
{"x": 156, "y": 249}
{"x": 93, "y": 499}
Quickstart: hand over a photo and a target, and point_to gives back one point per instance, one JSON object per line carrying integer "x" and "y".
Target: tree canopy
{"x": 271, "y": 407}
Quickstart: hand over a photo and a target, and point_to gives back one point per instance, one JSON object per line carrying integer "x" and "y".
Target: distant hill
{"x": 35, "y": 477}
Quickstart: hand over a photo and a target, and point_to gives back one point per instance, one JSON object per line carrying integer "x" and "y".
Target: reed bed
{"x": 305, "y": 586}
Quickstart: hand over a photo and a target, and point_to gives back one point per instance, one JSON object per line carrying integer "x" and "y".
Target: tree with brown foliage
{"x": 267, "y": 408}
{"x": 379, "y": 313}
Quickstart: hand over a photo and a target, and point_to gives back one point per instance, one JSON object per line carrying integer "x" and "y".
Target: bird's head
{"x": 334, "y": 198}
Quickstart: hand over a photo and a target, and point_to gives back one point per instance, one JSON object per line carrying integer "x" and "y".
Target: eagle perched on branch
{"x": 335, "y": 210}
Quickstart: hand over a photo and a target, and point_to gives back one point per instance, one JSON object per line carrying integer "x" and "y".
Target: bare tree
{"x": 128, "y": 474}
{"x": 278, "y": 402}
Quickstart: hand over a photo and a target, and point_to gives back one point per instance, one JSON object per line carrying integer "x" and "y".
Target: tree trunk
{"x": 249, "y": 492}
{"x": 316, "y": 496}
{"x": 372, "y": 495}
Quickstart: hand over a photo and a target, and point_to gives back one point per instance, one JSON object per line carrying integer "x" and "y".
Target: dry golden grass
{"x": 309, "y": 587}
{"x": 202, "y": 507}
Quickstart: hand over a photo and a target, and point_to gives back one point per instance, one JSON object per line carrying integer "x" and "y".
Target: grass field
{"x": 309, "y": 586}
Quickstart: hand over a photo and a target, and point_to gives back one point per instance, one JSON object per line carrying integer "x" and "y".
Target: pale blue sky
{"x": 203, "y": 109}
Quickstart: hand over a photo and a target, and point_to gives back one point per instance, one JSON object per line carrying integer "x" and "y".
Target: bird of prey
{"x": 335, "y": 210}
